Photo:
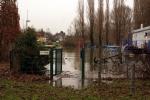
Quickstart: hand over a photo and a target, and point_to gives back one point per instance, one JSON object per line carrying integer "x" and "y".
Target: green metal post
{"x": 56, "y": 61}
{"x": 83, "y": 65}
{"x": 51, "y": 64}
{"x": 61, "y": 59}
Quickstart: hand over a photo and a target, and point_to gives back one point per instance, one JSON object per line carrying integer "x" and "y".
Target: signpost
{"x": 49, "y": 53}
{"x": 44, "y": 53}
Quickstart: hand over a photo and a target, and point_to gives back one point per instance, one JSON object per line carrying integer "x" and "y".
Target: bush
{"x": 28, "y": 49}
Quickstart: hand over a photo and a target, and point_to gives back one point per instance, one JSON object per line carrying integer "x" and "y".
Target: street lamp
{"x": 27, "y": 20}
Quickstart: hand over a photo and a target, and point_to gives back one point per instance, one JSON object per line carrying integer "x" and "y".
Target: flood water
{"x": 71, "y": 75}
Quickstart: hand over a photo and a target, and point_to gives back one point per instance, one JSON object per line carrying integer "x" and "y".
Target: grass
{"x": 118, "y": 90}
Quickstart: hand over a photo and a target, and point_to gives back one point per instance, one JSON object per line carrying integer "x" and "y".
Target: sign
{"x": 44, "y": 53}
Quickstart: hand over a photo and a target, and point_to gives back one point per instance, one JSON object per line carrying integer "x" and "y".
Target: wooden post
{"x": 132, "y": 59}
{"x": 11, "y": 60}
{"x": 99, "y": 72}
{"x": 133, "y": 80}
{"x": 127, "y": 71}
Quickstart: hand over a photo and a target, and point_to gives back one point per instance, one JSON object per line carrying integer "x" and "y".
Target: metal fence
{"x": 132, "y": 66}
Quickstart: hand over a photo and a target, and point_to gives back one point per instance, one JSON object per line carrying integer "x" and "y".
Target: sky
{"x": 50, "y": 15}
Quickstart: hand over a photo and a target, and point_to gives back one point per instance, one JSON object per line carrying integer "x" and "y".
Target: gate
{"x": 57, "y": 60}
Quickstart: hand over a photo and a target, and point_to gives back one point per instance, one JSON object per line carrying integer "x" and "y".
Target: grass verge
{"x": 118, "y": 90}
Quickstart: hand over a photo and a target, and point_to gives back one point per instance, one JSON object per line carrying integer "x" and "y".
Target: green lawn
{"x": 118, "y": 90}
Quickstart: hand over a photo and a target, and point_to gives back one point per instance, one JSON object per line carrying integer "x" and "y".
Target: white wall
{"x": 139, "y": 38}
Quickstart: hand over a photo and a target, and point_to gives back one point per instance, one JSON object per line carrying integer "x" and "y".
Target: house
{"x": 41, "y": 37}
{"x": 60, "y": 36}
{"x": 141, "y": 37}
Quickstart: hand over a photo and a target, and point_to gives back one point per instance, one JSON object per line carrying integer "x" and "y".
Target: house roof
{"x": 40, "y": 34}
{"x": 141, "y": 30}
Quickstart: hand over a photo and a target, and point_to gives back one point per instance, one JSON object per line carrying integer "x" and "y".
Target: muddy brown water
{"x": 71, "y": 75}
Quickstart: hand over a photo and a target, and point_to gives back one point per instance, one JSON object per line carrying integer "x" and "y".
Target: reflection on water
{"x": 71, "y": 76}
{"x": 75, "y": 83}
{"x": 71, "y": 62}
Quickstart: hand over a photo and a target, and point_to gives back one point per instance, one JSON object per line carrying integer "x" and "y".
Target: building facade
{"x": 141, "y": 37}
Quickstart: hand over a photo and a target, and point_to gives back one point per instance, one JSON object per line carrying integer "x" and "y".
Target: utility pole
{"x": 27, "y": 20}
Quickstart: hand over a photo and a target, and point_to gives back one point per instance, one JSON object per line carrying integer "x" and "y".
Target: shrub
{"x": 28, "y": 49}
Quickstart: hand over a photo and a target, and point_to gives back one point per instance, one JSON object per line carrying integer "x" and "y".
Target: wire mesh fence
{"x": 132, "y": 67}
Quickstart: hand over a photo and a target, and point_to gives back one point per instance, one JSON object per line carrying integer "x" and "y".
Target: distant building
{"x": 41, "y": 37}
{"x": 141, "y": 37}
{"x": 60, "y": 36}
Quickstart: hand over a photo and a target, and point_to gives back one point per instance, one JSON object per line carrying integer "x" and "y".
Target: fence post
{"x": 56, "y": 61}
{"x": 120, "y": 56}
{"x": 99, "y": 71}
{"x": 133, "y": 80}
{"x": 82, "y": 53}
{"x": 127, "y": 71}
{"x": 51, "y": 64}
{"x": 11, "y": 62}
{"x": 61, "y": 59}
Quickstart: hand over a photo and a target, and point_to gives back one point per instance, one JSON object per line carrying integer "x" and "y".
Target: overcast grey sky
{"x": 55, "y": 15}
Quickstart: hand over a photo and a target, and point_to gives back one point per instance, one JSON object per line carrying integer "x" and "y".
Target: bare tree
{"x": 117, "y": 21}
{"x": 70, "y": 30}
{"x": 107, "y": 22}
{"x": 91, "y": 16}
{"x": 9, "y": 26}
{"x": 146, "y": 14}
{"x": 141, "y": 13}
{"x": 81, "y": 17}
{"x": 138, "y": 15}
{"x": 77, "y": 28}
{"x": 79, "y": 24}
{"x": 121, "y": 19}
{"x": 101, "y": 20}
